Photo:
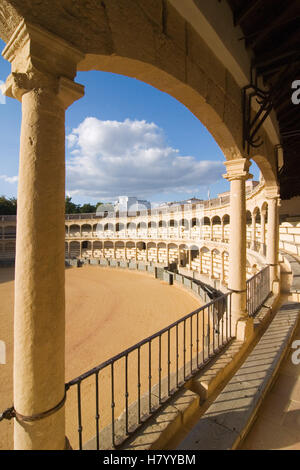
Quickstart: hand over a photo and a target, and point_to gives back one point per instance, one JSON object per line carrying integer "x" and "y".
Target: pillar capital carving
{"x": 18, "y": 84}
{"x": 237, "y": 169}
{"x": 43, "y": 62}
{"x": 272, "y": 192}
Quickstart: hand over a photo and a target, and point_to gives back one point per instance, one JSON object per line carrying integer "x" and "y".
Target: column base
{"x": 276, "y": 287}
{"x": 244, "y": 329}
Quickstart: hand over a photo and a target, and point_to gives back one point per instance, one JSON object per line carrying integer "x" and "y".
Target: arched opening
{"x": 131, "y": 230}
{"x": 216, "y": 264}
{"x": 216, "y": 228}
{"x": 86, "y": 230}
{"x": 205, "y": 260}
{"x": 173, "y": 253}
{"x": 142, "y": 230}
{"x": 120, "y": 250}
{"x": 172, "y": 228}
{"x": 108, "y": 251}
{"x": 130, "y": 251}
{"x": 98, "y": 249}
{"x": 184, "y": 228}
{"x": 86, "y": 249}
{"x": 141, "y": 251}
{"x": 226, "y": 228}
{"x": 74, "y": 250}
{"x": 183, "y": 253}
{"x": 152, "y": 252}
{"x": 164, "y": 61}
{"x": 195, "y": 228}
{"x": 194, "y": 258}
{"x": 75, "y": 231}
{"x": 162, "y": 253}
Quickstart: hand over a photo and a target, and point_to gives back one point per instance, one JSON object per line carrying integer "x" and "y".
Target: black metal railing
{"x": 258, "y": 290}
{"x": 115, "y": 398}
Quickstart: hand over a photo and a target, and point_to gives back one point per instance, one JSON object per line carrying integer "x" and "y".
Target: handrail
{"x": 183, "y": 347}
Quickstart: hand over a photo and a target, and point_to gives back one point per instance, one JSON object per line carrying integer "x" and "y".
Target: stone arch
{"x": 194, "y": 257}
{"x": 216, "y": 264}
{"x": 108, "y": 249}
{"x": 120, "y": 227}
{"x": 86, "y": 230}
{"x": 120, "y": 250}
{"x": 130, "y": 251}
{"x": 226, "y": 228}
{"x": 216, "y": 227}
{"x": 86, "y": 249}
{"x": 156, "y": 45}
{"x": 205, "y": 260}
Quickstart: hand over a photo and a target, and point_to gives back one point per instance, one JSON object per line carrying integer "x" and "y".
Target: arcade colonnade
{"x": 42, "y": 79}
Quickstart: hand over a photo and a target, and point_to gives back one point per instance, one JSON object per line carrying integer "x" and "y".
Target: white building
{"x": 131, "y": 204}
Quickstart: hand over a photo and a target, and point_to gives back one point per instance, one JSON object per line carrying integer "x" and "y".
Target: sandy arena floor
{"x": 107, "y": 311}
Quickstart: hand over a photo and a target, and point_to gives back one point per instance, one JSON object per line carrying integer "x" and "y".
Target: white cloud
{"x": 109, "y": 158}
{"x": 9, "y": 179}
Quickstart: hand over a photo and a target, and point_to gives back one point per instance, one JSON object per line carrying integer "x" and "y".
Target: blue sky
{"x": 123, "y": 138}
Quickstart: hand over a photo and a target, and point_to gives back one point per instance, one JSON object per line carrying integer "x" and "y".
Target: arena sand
{"x": 107, "y": 311}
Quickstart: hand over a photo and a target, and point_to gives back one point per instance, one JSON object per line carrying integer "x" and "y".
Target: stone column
{"x": 253, "y": 231}
{"x": 211, "y": 274}
{"x": 211, "y": 229}
{"x": 273, "y": 236}
{"x": 262, "y": 232}
{"x": 222, "y": 231}
{"x": 222, "y": 269}
{"x": 189, "y": 259}
{"x": 43, "y": 69}
{"x": 237, "y": 174}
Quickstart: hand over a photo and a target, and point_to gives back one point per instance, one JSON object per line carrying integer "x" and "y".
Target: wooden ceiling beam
{"x": 243, "y": 14}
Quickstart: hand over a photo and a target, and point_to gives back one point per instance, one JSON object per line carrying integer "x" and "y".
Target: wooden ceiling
{"x": 271, "y": 28}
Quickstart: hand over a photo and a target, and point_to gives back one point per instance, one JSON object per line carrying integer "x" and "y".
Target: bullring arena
{"x": 203, "y": 299}
{"x": 140, "y": 273}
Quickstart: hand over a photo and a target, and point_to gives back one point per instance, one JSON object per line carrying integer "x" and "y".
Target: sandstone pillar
{"x": 43, "y": 69}
{"x": 273, "y": 236}
{"x": 237, "y": 174}
{"x": 262, "y": 232}
{"x": 253, "y": 232}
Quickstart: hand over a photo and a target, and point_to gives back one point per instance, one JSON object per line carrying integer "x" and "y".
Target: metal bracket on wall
{"x": 251, "y": 125}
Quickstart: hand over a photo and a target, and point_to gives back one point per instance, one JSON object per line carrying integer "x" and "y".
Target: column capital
{"x": 272, "y": 192}
{"x": 18, "y": 84}
{"x": 237, "y": 169}
{"x": 41, "y": 61}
